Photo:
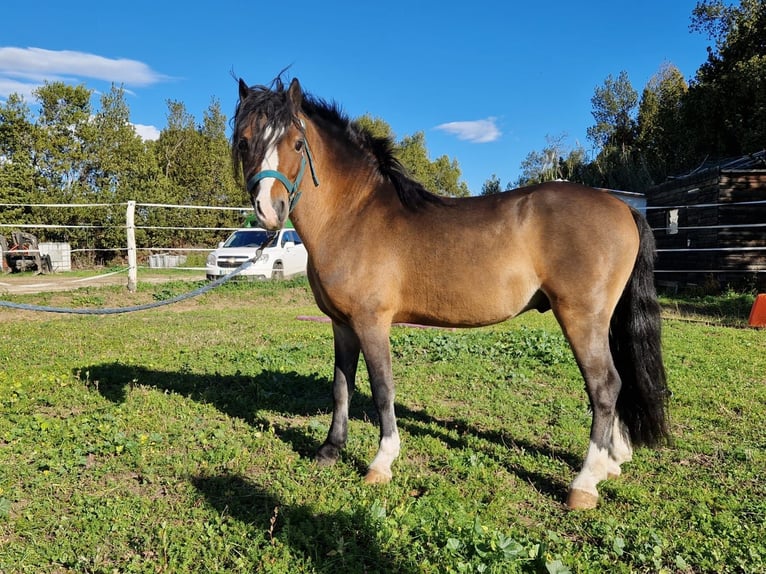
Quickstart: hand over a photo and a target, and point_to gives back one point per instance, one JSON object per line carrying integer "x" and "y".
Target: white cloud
{"x": 147, "y": 133}
{"x": 476, "y": 131}
{"x": 40, "y": 63}
{"x": 10, "y": 86}
{"x": 24, "y": 69}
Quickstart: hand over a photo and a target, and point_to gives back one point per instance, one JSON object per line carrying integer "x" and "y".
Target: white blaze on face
{"x": 263, "y": 203}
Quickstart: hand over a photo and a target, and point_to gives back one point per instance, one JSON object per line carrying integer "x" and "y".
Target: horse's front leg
{"x": 377, "y": 354}
{"x": 346, "y": 361}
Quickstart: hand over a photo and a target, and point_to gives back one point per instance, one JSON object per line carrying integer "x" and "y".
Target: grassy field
{"x": 181, "y": 440}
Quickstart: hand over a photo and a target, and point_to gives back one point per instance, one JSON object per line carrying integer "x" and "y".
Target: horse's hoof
{"x": 581, "y": 500}
{"x": 327, "y": 456}
{"x": 324, "y": 462}
{"x": 375, "y": 477}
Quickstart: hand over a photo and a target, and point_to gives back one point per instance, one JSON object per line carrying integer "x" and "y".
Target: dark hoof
{"x": 327, "y": 455}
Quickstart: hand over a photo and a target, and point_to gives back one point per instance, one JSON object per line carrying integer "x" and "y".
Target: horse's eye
{"x": 299, "y": 145}
{"x": 243, "y": 145}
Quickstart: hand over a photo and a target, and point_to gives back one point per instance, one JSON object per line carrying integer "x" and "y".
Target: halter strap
{"x": 292, "y": 186}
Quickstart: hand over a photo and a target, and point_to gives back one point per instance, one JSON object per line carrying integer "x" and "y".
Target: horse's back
{"x": 552, "y": 221}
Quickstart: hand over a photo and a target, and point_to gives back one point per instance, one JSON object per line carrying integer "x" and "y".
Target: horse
{"x": 577, "y": 251}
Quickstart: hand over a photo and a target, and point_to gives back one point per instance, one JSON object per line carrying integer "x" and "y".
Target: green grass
{"x": 730, "y": 309}
{"x": 180, "y": 440}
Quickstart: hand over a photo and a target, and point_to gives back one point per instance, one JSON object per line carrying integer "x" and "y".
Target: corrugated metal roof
{"x": 755, "y": 160}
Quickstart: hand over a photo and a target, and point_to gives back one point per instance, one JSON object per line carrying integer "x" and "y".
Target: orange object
{"x": 758, "y": 312}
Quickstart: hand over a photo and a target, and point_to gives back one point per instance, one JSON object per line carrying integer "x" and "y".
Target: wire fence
{"x": 753, "y": 264}
{"x": 721, "y": 242}
{"x": 121, "y": 226}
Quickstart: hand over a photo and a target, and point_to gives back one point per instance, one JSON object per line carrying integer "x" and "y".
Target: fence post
{"x": 130, "y": 225}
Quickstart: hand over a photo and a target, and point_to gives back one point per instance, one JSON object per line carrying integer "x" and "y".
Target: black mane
{"x": 273, "y": 103}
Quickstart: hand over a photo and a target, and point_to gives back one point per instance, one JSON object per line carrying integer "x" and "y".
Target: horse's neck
{"x": 347, "y": 185}
{"x": 334, "y": 205}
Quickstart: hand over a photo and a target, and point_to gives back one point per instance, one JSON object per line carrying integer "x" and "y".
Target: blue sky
{"x": 485, "y": 81}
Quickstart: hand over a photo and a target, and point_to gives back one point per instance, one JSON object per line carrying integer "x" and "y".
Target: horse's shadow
{"x": 292, "y": 393}
{"x": 333, "y": 542}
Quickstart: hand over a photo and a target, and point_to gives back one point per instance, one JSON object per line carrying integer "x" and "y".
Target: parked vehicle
{"x": 283, "y": 256}
{"x": 23, "y": 254}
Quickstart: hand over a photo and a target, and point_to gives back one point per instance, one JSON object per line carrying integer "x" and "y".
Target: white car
{"x": 283, "y": 257}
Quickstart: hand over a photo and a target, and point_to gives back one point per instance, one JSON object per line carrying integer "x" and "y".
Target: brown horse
{"x": 382, "y": 249}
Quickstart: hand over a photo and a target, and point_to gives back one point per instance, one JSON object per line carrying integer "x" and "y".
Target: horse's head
{"x": 269, "y": 143}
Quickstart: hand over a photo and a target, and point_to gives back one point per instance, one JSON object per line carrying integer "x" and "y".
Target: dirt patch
{"x": 25, "y": 284}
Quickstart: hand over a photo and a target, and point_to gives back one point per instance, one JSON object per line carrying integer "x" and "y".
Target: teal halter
{"x": 292, "y": 186}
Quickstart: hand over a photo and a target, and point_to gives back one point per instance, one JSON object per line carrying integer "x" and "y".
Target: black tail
{"x": 635, "y": 342}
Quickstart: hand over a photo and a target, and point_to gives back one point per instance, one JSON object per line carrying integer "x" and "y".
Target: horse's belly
{"x": 475, "y": 304}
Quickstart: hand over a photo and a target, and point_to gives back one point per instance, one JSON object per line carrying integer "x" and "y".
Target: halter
{"x": 292, "y": 186}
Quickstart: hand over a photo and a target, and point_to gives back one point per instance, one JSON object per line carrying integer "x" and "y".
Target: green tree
{"x": 178, "y": 152}
{"x": 725, "y": 109}
{"x": 120, "y": 168}
{"x": 61, "y": 146}
{"x": 491, "y": 186}
{"x": 440, "y": 176}
{"x": 555, "y": 161}
{"x": 662, "y": 136}
{"x": 619, "y": 163}
{"x": 117, "y": 154}
{"x": 218, "y": 186}
{"x": 614, "y": 106}
{"x": 376, "y": 126}
{"x": 16, "y": 156}
{"x": 177, "y": 149}
{"x": 197, "y": 166}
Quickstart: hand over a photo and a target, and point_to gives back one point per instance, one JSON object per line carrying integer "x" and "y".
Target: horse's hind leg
{"x": 589, "y": 338}
{"x": 621, "y": 449}
{"x": 346, "y": 361}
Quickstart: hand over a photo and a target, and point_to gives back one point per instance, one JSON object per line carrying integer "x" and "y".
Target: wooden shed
{"x": 710, "y": 224}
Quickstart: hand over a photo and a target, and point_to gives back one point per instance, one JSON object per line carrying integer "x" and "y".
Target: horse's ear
{"x": 243, "y": 89}
{"x": 295, "y": 94}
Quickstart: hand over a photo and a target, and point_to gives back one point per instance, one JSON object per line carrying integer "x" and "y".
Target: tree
{"x": 60, "y": 149}
{"x": 375, "y": 126}
{"x": 175, "y": 149}
{"x": 491, "y": 186}
{"x": 662, "y": 136}
{"x": 555, "y": 161}
{"x": 726, "y": 105}
{"x": 119, "y": 168}
{"x": 197, "y": 166}
{"x": 440, "y": 176}
{"x": 69, "y": 154}
{"x": 619, "y": 164}
{"x": 218, "y": 186}
{"x": 62, "y": 140}
{"x": 614, "y": 106}
{"x": 16, "y": 154}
